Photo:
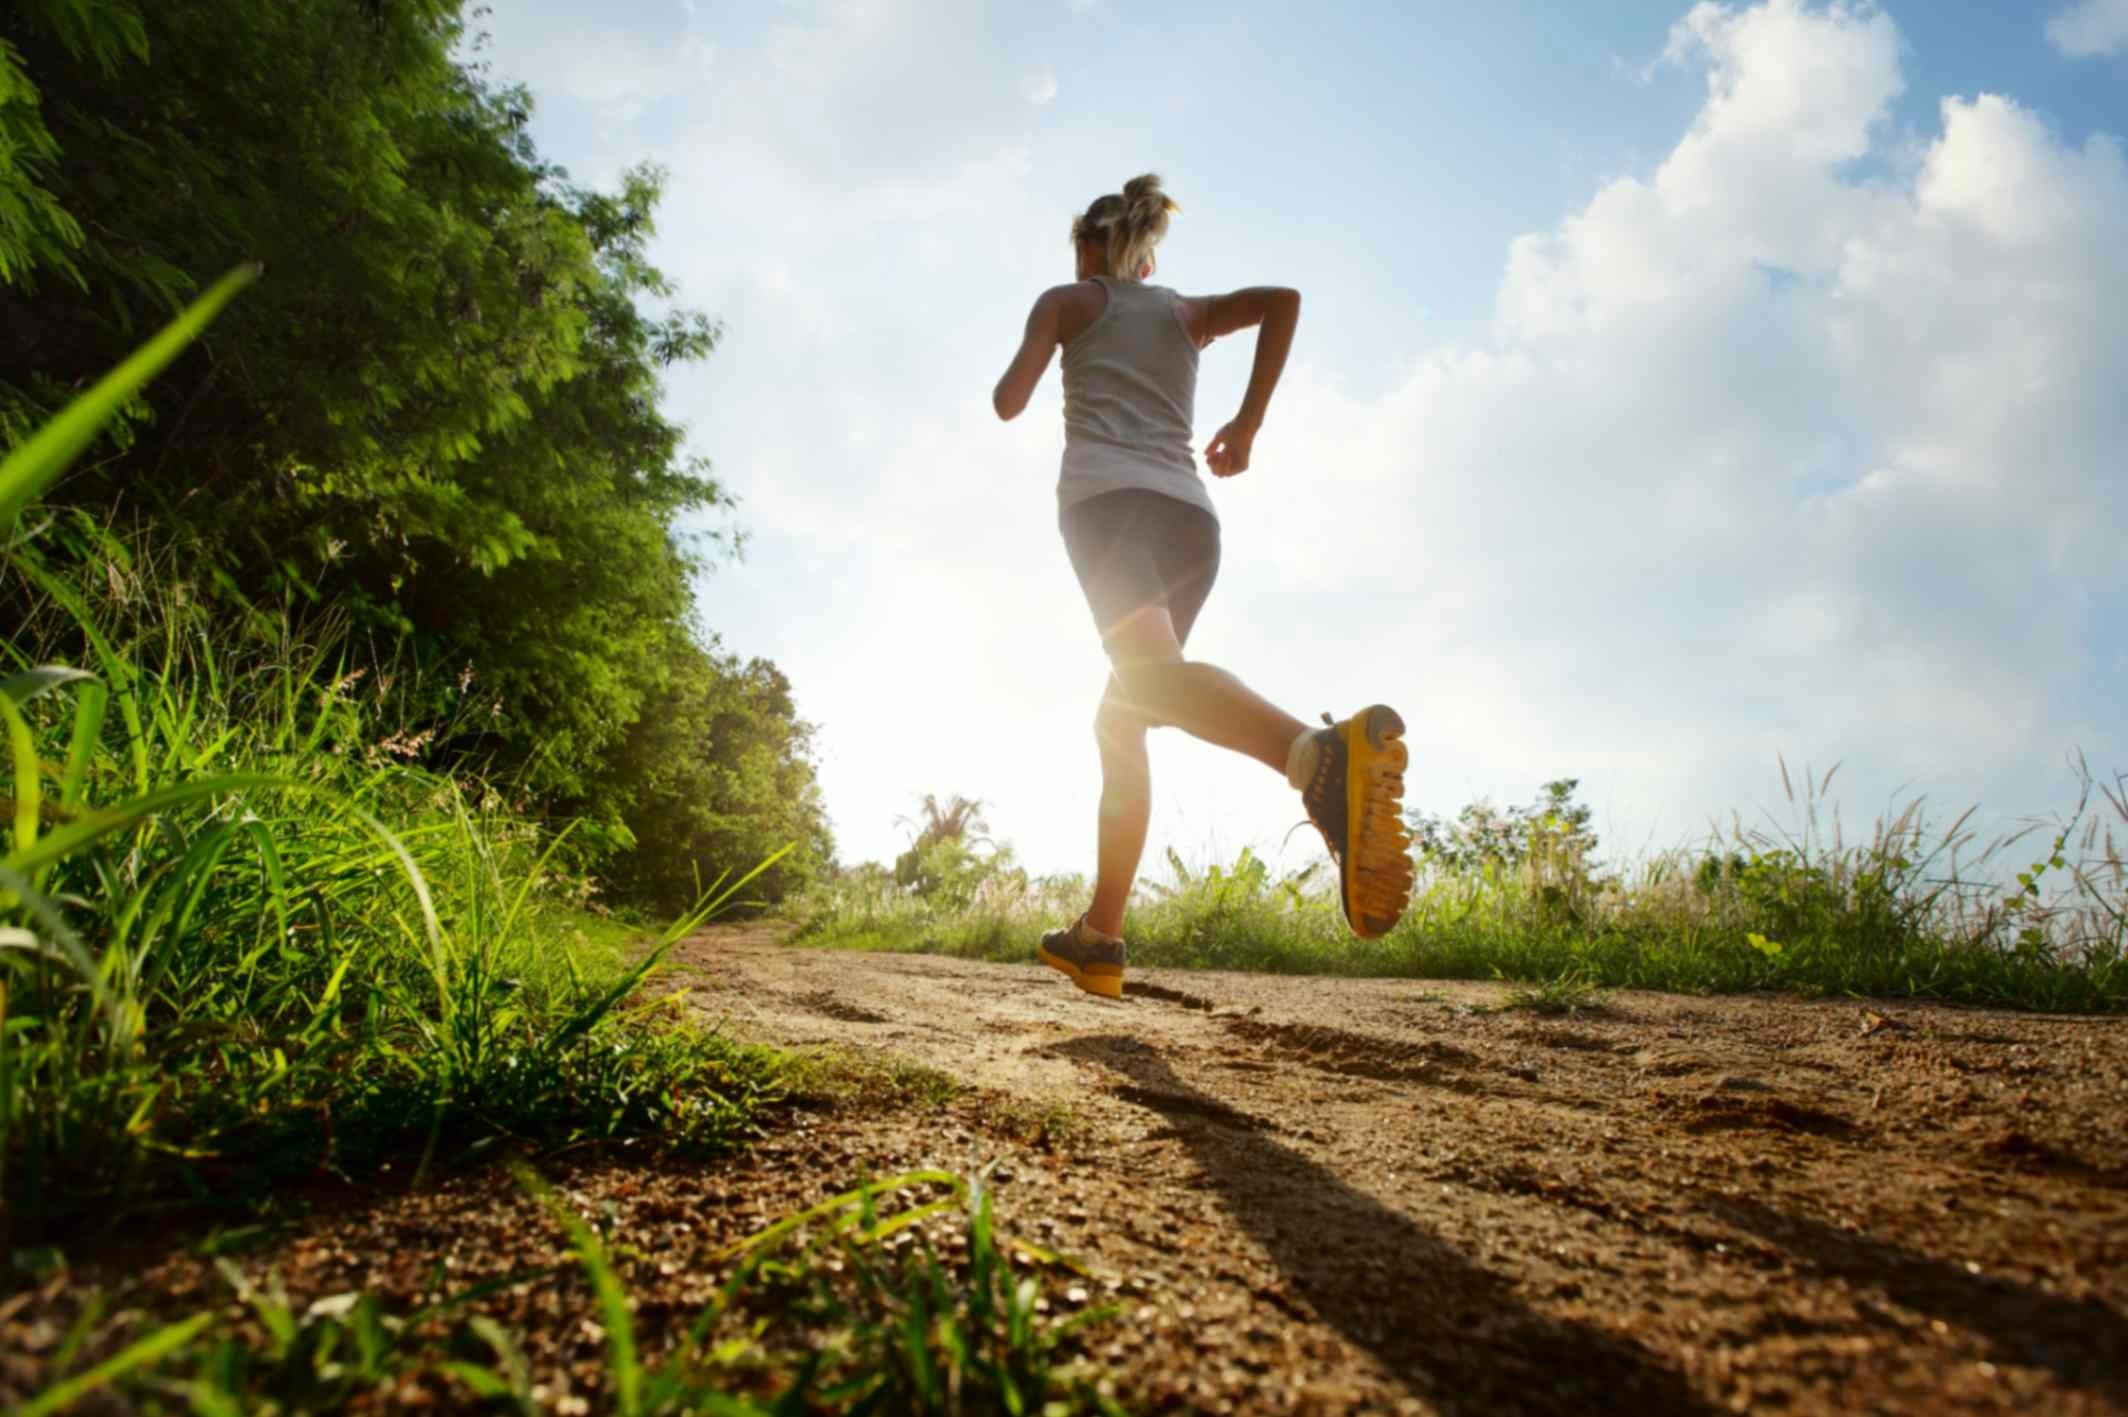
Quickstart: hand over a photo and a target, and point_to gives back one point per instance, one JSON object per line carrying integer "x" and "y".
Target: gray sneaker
{"x": 1093, "y": 960}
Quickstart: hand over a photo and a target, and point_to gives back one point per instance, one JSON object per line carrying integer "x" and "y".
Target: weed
{"x": 1570, "y": 993}
{"x": 240, "y": 943}
{"x": 1910, "y": 911}
{"x": 844, "y": 1306}
{"x": 1046, "y": 1127}
{"x": 845, "y": 1076}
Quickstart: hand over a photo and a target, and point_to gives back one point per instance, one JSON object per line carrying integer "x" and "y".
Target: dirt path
{"x": 1340, "y": 1195}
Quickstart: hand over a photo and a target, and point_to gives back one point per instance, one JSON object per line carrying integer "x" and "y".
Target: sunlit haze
{"x": 1675, "y": 387}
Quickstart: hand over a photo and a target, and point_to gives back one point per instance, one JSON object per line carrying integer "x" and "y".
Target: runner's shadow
{"x": 1452, "y": 1332}
{"x": 2084, "y": 1342}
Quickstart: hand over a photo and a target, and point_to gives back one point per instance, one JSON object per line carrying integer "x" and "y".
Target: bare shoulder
{"x": 1196, "y": 311}
{"x": 1076, "y": 305}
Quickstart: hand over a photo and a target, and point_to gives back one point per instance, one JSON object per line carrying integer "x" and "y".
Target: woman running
{"x": 1143, "y": 538}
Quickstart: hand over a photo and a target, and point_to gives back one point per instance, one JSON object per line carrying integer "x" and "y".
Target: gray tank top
{"x": 1130, "y": 392}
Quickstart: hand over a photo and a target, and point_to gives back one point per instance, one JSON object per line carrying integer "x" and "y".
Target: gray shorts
{"x": 1136, "y": 548}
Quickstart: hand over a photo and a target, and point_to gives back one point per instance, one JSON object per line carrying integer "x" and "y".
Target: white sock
{"x": 1088, "y": 932}
{"x": 1301, "y": 759}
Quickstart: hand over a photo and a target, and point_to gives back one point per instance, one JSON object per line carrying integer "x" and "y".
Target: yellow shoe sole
{"x": 1103, "y": 979}
{"x": 1378, "y": 878}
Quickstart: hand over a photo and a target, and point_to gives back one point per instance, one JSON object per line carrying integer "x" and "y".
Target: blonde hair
{"x": 1128, "y": 225}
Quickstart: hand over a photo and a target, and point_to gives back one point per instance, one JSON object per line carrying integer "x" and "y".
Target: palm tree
{"x": 956, "y": 818}
{"x": 959, "y": 821}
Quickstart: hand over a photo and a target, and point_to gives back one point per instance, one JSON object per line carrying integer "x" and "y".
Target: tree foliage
{"x": 1482, "y": 834}
{"x": 718, "y": 770}
{"x": 952, "y": 854}
{"x": 437, "y": 412}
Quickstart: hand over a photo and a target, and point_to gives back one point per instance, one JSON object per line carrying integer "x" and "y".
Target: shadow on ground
{"x": 1453, "y": 1333}
{"x": 2084, "y": 1342}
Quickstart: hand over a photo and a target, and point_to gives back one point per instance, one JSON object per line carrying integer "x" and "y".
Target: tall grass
{"x": 1912, "y": 910}
{"x": 241, "y": 938}
{"x": 847, "y": 1306}
{"x": 246, "y": 940}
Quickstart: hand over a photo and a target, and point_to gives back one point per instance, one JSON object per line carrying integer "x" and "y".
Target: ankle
{"x": 1103, "y": 933}
{"x": 1301, "y": 758}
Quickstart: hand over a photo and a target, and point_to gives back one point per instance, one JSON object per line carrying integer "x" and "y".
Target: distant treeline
{"x": 435, "y": 418}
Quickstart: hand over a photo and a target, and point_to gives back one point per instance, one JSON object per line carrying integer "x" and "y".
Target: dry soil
{"x": 1336, "y": 1194}
{"x": 1333, "y": 1195}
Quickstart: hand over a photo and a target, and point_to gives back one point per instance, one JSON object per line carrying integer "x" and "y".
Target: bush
{"x": 1518, "y": 896}
{"x": 249, "y": 942}
{"x": 240, "y": 939}
{"x": 434, "y": 421}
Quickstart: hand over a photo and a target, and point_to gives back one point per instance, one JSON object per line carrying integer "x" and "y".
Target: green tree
{"x": 437, "y": 412}
{"x": 1555, "y": 825}
{"x": 39, "y": 238}
{"x": 716, "y": 775}
{"x": 952, "y": 853}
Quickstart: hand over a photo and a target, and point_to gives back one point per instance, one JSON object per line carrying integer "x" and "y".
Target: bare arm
{"x": 1276, "y": 311}
{"x": 1037, "y": 346}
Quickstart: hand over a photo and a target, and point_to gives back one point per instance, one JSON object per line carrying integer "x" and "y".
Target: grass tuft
{"x": 1571, "y": 993}
{"x": 900, "y": 1295}
{"x": 242, "y": 943}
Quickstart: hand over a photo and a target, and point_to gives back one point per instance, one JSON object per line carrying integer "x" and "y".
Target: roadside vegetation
{"x": 254, "y": 944}
{"x": 1912, "y": 910}
{"x": 247, "y": 944}
{"x": 430, "y": 434}
{"x": 366, "y": 743}
{"x": 900, "y": 1295}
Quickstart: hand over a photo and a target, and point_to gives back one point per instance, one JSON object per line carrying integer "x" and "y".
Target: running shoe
{"x": 1355, "y": 797}
{"x": 1094, "y": 961}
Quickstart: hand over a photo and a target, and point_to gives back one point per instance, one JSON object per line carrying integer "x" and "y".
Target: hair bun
{"x": 1142, "y": 195}
{"x": 1130, "y": 224}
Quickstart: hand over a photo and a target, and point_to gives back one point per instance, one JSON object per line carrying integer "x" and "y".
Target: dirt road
{"x": 1342, "y": 1195}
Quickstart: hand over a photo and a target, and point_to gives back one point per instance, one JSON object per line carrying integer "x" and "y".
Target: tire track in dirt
{"x": 1339, "y": 1195}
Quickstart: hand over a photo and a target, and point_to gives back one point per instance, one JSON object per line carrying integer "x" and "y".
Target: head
{"x": 1116, "y": 235}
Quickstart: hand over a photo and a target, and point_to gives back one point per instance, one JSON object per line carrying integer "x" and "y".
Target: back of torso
{"x": 1130, "y": 392}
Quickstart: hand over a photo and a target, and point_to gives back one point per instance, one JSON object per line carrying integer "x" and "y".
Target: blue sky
{"x": 1677, "y": 386}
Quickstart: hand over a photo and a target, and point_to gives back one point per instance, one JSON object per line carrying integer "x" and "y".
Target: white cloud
{"x": 1758, "y": 457}
{"x": 1039, "y": 87}
{"x": 1761, "y": 457}
{"x": 2090, "y": 28}
{"x": 615, "y": 67}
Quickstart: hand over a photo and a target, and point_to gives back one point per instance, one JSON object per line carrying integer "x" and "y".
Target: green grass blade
{"x": 29, "y": 791}
{"x": 30, "y": 468}
{"x": 117, "y": 670}
{"x": 834, "y": 1203}
{"x": 64, "y": 1394}
{"x": 276, "y": 878}
{"x": 621, "y": 1353}
{"x": 718, "y": 899}
{"x": 58, "y": 941}
{"x": 81, "y": 747}
{"x": 64, "y": 841}
{"x": 420, "y": 884}
{"x": 30, "y": 683}
{"x": 517, "y": 902}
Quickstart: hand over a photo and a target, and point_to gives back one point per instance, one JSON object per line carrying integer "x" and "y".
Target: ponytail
{"x": 1129, "y": 225}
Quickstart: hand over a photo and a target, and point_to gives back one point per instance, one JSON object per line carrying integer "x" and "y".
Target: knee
{"x": 1146, "y": 682}
{"x": 1119, "y": 730}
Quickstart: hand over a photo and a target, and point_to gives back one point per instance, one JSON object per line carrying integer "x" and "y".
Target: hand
{"x": 1228, "y": 452}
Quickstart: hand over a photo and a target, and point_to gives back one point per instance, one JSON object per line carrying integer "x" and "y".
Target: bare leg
{"x": 1126, "y": 808}
{"x": 1201, "y": 699}
{"x": 1154, "y": 684}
